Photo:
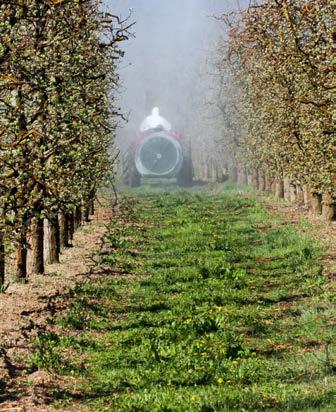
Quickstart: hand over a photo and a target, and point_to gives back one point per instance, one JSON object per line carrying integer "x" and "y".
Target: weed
{"x": 226, "y": 309}
{"x": 47, "y": 354}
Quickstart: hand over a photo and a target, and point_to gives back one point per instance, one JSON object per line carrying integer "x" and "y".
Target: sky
{"x": 167, "y": 56}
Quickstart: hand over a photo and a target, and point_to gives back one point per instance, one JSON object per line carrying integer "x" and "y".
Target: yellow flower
{"x": 220, "y": 381}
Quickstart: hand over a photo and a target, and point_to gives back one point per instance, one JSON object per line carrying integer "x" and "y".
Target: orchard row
{"x": 276, "y": 98}
{"x": 58, "y": 78}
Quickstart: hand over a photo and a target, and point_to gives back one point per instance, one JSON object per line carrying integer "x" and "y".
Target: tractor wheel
{"x": 185, "y": 175}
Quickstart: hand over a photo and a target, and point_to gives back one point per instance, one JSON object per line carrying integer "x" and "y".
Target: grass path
{"x": 215, "y": 305}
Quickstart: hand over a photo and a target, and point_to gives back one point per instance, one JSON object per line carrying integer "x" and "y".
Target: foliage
{"x": 58, "y": 79}
{"x": 277, "y": 67}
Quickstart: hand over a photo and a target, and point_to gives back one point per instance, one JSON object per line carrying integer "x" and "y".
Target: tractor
{"x": 157, "y": 152}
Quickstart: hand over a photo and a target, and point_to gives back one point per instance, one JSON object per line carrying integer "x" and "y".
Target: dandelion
{"x": 220, "y": 381}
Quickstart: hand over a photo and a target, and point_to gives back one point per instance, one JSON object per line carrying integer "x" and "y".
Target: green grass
{"x": 216, "y": 305}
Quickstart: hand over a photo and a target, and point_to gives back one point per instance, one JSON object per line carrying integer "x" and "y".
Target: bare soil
{"x": 25, "y": 311}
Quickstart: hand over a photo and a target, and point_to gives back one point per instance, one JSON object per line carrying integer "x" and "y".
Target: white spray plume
{"x": 154, "y": 121}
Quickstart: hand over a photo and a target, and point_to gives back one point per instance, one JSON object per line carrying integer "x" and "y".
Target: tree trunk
{"x": 239, "y": 176}
{"x": 300, "y": 195}
{"x": 242, "y": 176}
{"x": 53, "y": 240}
{"x": 286, "y": 183}
{"x": 292, "y": 192}
{"x": 20, "y": 267}
{"x": 214, "y": 173}
{"x": 255, "y": 178}
{"x": 261, "y": 181}
{"x": 273, "y": 187}
{"x": 245, "y": 176}
{"x": 205, "y": 172}
{"x": 2, "y": 260}
{"x": 306, "y": 196}
{"x": 71, "y": 218}
{"x": 279, "y": 188}
{"x": 268, "y": 183}
{"x": 234, "y": 174}
{"x": 209, "y": 172}
{"x": 64, "y": 229}
{"x": 316, "y": 202}
{"x": 249, "y": 178}
{"x": 328, "y": 207}
{"x": 92, "y": 205}
{"x": 21, "y": 252}
{"x": 78, "y": 217}
{"x": 37, "y": 246}
{"x": 86, "y": 211}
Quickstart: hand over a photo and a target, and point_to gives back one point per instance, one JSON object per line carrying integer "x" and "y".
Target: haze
{"x": 165, "y": 61}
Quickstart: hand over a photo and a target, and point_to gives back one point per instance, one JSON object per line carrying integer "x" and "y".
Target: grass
{"x": 216, "y": 305}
